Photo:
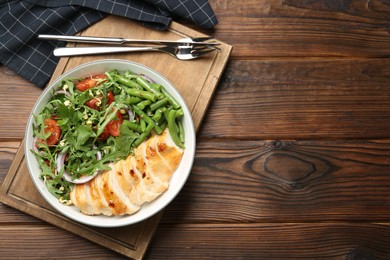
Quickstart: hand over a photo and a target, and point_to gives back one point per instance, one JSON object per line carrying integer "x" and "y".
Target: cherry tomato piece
{"x": 103, "y": 136}
{"x": 90, "y": 82}
{"x": 52, "y": 127}
{"x": 94, "y": 103}
{"x": 114, "y": 125}
{"x": 110, "y": 98}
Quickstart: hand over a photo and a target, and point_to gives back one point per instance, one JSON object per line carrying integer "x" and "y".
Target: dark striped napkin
{"x": 21, "y": 21}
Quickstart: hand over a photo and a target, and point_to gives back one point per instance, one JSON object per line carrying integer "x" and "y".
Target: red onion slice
{"x": 147, "y": 78}
{"x": 61, "y": 91}
{"x": 34, "y": 147}
{"x": 99, "y": 155}
{"x": 60, "y": 165}
{"x": 60, "y": 161}
{"x": 80, "y": 180}
{"x": 131, "y": 115}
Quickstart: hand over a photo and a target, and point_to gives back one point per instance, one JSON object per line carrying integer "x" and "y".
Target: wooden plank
{"x": 15, "y": 108}
{"x": 285, "y": 181}
{"x": 377, "y": 12}
{"x": 214, "y": 241}
{"x": 7, "y": 154}
{"x": 300, "y": 37}
{"x": 298, "y": 99}
{"x": 294, "y": 28}
{"x": 53, "y": 243}
{"x": 10, "y": 215}
{"x": 272, "y": 241}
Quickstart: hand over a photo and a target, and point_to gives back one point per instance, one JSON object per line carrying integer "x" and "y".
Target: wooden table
{"x": 293, "y": 157}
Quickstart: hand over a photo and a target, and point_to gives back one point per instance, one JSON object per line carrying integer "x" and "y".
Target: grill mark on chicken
{"x": 155, "y": 148}
{"x": 146, "y": 162}
{"x": 97, "y": 204}
{"x": 154, "y": 151}
{"x": 144, "y": 190}
{"x": 120, "y": 192}
{"x": 128, "y": 185}
{"x": 115, "y": 203}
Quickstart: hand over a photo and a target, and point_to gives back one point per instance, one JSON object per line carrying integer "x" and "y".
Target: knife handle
{"x": 75, "y": 51}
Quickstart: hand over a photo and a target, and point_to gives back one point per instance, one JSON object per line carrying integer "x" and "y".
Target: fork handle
{"x": 75, "y": 51}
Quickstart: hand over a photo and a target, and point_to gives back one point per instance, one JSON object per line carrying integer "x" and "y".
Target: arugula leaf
{"x": 124, "y": 141}
{"x": 83, "y": 133}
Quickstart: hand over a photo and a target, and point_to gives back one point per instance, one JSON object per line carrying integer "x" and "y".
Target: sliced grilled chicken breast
{"x": 139, "y": 178}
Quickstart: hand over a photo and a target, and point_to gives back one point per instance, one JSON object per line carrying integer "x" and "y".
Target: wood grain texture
{"x": 14, "y": 107}
{"x": 285, "y": 181}
{"x": 7, "y": 154}
{"x": 20, "y": 242}
{"x": 271, "y": 241}
{"x": 302, "y": 99}
{"x": 293, "y": 155}
{"x": 294, "y": 28}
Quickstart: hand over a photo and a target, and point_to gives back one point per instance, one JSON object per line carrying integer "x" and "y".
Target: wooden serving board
{"x": 196, "y": 80}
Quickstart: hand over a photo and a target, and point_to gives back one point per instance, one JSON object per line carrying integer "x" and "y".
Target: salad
{"x": 91, "y": 122}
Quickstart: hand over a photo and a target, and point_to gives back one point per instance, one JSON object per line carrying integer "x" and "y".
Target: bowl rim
{"x": 127, "y": 219}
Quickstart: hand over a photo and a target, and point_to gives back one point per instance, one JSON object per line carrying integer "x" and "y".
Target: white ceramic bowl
{"x": 178, "y": 179}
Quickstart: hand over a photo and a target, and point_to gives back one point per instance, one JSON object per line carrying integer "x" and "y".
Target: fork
{"x": 187, "y": 52}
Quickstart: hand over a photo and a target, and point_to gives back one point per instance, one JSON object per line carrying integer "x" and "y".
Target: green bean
{"x": 156, "y": 86}
{"x": 158, "y": 114}
{"x": 148, "y": 111}
{"x": 145, "y": 134}
{"x": 179, "y": 113}
{"x": 157, "y": 110}
{"x": 156, "y": 105}
{"x": 181, "y": 131}
{"x": 146, "y": 86}
{"x": 171, "y": 100}
{"x": 142, "y": 125}
{"x": 161, "y": 121}
{"x": 173, "y": 128}
{"x": 127, "y": 82}
{"x": 163, "y": 125}
{"x": 141, "y": 105}
{"x": 166, "y": 114}
{"x": 142, "y": 94}
{"x": 133, "y": 100}
{"x": 147, "y": 119}
{"x": 124, "y": 98}
{"x": 133, "y": 126}
{"x": 129, "y": 75}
